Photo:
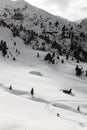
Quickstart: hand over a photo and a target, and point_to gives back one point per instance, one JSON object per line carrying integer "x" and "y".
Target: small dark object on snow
{"x": 58, "y": 57}
{"x": 54, "y": 105}
{"x": 32, "y": 91}
{"x": 38, "y": 55}
{"x": 19, "y": 52}
{"x": 72, "y": 59}
{"x": 62, "y": 61}
{"x": 78, "y": 108}
{"x": 7, "y": 56}
{"x": 10, "y": 87}
{"x": 58, "y": 114}
{"x": 86, "y": 73}
{"x": 14, "y": 58}
{"x": 67, "y": 91}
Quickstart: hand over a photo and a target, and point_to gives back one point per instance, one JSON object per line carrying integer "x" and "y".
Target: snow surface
{"x": 49, "y": 108}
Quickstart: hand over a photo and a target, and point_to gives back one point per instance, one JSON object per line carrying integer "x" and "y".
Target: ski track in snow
{"x": 51, "y": 104}
{"x": 81, "y": 123}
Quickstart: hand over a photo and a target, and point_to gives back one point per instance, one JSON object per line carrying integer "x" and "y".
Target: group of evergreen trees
{"x": 80, "y": 71}
{"x": 76, "y": 40}
{"x": 50, "y": 58}
{"x": 67, "y": 32}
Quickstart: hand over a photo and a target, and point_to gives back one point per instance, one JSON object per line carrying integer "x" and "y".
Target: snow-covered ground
{"x": 49, "y": 108}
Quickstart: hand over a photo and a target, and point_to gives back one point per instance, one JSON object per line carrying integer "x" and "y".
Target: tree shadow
{"x": 64, "y": 106}
{"x": 13, "y": 91}
{"x": 39, "y": 99}
{"x": 27, "y": 95}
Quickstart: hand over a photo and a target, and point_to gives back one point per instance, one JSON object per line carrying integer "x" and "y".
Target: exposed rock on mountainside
{"x": 44, "y": 31}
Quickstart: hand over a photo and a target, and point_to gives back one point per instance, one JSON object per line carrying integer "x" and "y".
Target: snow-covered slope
{"x": 44, "y": 31}
{"x": 49, "y": 108}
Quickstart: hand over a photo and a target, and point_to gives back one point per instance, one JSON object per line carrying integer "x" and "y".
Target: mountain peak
{"x": 84, "y": 22}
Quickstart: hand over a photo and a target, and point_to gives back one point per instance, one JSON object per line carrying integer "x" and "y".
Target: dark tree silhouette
{"x": 78, "y": 71}
{"x": 10, "y": 87}
{"x": 32, "y": 91}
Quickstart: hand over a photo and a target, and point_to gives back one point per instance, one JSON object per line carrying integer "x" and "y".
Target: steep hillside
{"x": 37, "y": 53}
{"x": 49, "y": 108}
{"x": 36, "y": 27}
{"x": 44, "y": 31}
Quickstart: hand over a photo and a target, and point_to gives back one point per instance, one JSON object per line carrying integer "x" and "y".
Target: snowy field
{"x": 49, "y": 108}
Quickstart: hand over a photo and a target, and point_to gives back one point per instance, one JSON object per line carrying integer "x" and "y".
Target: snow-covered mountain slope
{"x": 29, "y": 10}
{"x": 84, "y": 22}
{"x": 44, "y": 31}
{"x": 49, "y": 108}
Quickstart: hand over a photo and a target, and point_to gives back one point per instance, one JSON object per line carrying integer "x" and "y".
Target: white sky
{"x": 70, "y": 9}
